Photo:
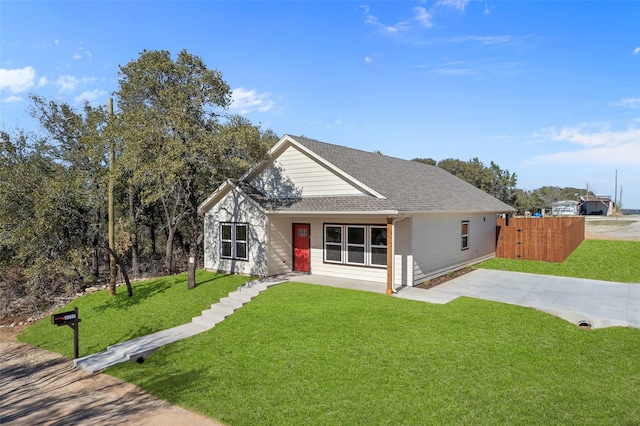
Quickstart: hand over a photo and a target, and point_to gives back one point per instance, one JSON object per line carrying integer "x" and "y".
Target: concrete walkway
{"x": 140, "y": 348}
{"x": 598, "y": 303}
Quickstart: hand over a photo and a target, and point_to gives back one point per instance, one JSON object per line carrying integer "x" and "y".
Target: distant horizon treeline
{"x": 502, "y": 184}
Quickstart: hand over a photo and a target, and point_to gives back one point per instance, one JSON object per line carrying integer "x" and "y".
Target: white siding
{"x": 437, "y": 242}
{"x": 294, "y": 174}
{"x": 234, "y": 207}
{"x": 403, "y": 261}
{"x": 280, "y": 245}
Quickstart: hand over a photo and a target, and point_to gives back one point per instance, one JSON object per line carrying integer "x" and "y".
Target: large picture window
{"x": 465, "y": 235}
{"x": 364, "y": 245}
{"x": 233, "y": 241}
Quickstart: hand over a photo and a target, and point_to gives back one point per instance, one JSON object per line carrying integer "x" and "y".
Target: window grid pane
{"x": 379, "y": 256}
{"x": 355, "y": 255}
{"x": 378, "y": 237}
{"x": 241, "y": 232}
{"x": 333, "y": 234}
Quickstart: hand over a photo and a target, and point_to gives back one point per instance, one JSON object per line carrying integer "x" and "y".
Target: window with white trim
{"x": 364, "y": 245}
{"x": 233, "y": 241}
{"x": 378, "y": 245}
{"x": 465, "y": 235}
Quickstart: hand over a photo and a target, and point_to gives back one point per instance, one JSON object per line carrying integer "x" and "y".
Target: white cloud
{"x": 636, "y": 50}
{"x": 77, "y": 56}
{"x": 336, "y": 122}
{"x": 66, "y": 83}
{"x": 487, "y": 9}
{"x": 455, "y": 4}
{"x": 368, "y": 59}
{"x": 69, "y": 83}
{"x": 598, "y": 146}
{"x": 423, "y": 17}
{"x": 631, "y": 103}
{"x": 484, "y": 40}
{"x": 245, "y": 101}
{"x": 387, "y": 29}
{"x": 42, "y": 81}
{"x": 11, "y": 100}
{"x": 89, "y": 95}
{"x": 17, "y": 80}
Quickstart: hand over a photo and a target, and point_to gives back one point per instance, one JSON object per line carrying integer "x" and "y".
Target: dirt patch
{"x": 444, "y": 278}
{"x": 40, "y": 387}
{"x": 612, "y": 228}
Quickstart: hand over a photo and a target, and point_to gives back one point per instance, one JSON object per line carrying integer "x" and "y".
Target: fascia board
{"x": 213, "y": 199}
{"x": 455, "y": 211}
{"x": 334, "y": 213}
{"x": 219, "y": 193}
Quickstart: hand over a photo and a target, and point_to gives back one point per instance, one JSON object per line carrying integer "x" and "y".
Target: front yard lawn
{"x": 306, "y": 354}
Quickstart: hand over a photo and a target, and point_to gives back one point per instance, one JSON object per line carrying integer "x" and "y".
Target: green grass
{"x": 594, "y": 259}
{"x": 156, "y": 305}
{"x": 305, "y": 354}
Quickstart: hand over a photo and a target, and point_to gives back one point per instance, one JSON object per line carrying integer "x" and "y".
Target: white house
{"x": 330, "y": 210}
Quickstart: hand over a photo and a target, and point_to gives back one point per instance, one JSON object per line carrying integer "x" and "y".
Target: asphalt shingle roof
{"x": 408, "y": 186}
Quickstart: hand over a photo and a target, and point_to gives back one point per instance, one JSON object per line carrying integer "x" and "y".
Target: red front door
{"x": 301, "y": 244}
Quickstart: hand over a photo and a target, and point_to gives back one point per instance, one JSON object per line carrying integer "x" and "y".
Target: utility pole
{"x": 615, "y": 193}
{"x": 620, "y": 199}
{"x": 111, "y": 209}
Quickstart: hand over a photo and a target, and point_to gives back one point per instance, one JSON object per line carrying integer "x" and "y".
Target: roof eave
{"x": 334, "y": 212}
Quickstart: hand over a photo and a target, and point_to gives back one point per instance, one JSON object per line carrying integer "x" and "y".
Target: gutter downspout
{"x": 391, "y": 223}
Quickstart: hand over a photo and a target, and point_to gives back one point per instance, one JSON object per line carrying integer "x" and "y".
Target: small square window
{"x": 233, "y": 241}
{"x": 465, "y": 235}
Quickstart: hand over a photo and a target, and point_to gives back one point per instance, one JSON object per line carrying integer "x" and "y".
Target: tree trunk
{"x": 95, "y": 264}
{"x": 123, "y": 271}
{"x": 135, "y": 263}
{"x": 168, "y": 253}
{"x": 194, "y": 240}
{"x": 152, "y": 236}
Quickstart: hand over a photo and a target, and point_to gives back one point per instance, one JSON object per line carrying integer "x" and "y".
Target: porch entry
{"x": 301, "y": 247}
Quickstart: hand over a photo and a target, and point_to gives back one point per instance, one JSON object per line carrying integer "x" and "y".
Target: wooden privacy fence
{"x": 549, "y": 239}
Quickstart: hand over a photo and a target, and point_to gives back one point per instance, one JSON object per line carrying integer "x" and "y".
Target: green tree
{"x": 492, "y": 179}
{"x": 43, "y": 220}
{"x": 175, "y": 144}
{"x": 79, "y": 144}
{"x": 430, "y": 161}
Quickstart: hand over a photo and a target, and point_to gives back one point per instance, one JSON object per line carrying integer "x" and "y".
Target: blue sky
{"x": 549, "y": 90}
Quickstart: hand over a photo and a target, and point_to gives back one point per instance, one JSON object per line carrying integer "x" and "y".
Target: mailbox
{"x": 63, "y": 318}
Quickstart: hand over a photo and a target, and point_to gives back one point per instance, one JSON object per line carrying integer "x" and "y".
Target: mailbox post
{"x": 71, "y": 319}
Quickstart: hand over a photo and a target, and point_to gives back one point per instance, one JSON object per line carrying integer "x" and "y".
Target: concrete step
{"x": 229, "y": 303}
{"x": 243, "y": 291}
{"x": 207, "y": 321}
{"x": 239, "y": 297}
{"x": 214, "y": 313}
{"x": 221, "y": 310}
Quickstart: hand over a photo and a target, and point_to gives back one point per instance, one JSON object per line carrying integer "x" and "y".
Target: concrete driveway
{"x": 598, "y": 303}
